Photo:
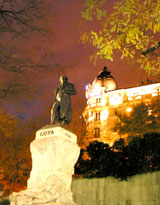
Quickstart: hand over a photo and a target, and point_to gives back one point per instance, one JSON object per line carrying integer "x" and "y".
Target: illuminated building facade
{"x": 104, "y": 100}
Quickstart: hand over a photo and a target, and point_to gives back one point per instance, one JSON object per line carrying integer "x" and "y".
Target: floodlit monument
{"x": 105, "y": 100}
{"x": 54, "y": 154}
{"x": 62, "y": 110}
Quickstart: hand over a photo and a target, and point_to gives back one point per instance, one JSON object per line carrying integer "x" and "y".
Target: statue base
{"x": 54, "y": 154}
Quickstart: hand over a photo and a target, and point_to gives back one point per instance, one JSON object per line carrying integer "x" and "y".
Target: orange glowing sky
{"x": 70, "y": 52}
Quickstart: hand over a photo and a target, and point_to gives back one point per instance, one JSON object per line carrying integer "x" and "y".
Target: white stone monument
{"x": 54, "y": 154}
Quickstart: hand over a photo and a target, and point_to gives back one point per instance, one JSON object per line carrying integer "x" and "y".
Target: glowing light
{"x": 86, "y": 87}
{"x": 103, "y": 101}
{"x": 138, "y": 97}
{"x": 87, "y": 96}
{"x": 91, "y": 118}
{"x": 129, "y": 109}
{"x": 149, "y": 112}
{"x": 95, "y": 92}
{"x": 104, "y": 114}
{"x": 97, "y": 84}
{"x": 115, "y": 98}
{"x": 91, "y": 101}
{"x": 154, "y": 94}
{"x": 93, "y": 105}
{"x": 143, "y": 90}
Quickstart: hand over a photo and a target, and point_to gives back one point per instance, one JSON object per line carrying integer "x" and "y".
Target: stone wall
{"x": 138, "y": 190}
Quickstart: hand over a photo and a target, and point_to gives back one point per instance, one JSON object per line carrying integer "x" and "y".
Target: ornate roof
{"x": 105, "y": 79}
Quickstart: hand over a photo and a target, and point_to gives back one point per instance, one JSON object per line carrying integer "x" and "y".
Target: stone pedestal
{"x": 54, "y": 154}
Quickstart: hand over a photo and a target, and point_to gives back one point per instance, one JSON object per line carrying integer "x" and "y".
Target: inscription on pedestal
{"x": 67, "y": 135}
{"x": 49, "y": 132}
{"x": 56, "y": 131}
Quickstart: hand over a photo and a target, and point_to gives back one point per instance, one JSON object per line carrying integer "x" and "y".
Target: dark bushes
{"x": 141, "y": 155}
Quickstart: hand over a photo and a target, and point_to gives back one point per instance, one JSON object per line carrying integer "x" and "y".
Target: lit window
{"x": 92, "y": 105}
{"x": 138, "y": 97}
{"x": 95, "y": 92}
{"x": 103, "y": 101}
{"x": 104, "y": 114}
{"x": 90, "y": 122}
{"x": 97, "y": 132}
{"x": 154, "y": 94}
{"x": 98, "y": 100}
{"x": 97, "y": 117}
{"x": 129, "y": 98}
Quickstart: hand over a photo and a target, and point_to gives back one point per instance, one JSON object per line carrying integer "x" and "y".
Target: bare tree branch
{"x": 20, "y": 17}
{"x": 150, "y": 50}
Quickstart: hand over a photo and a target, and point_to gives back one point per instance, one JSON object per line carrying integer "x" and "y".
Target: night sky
{"x": 65, "y": 43}
{"x": 70, "y": 51}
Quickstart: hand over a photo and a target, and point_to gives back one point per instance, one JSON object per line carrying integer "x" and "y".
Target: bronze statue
{"x": 61, "y": 110}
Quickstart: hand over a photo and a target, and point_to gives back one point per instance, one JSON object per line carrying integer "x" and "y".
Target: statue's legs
{"x": 65, "y": 109}
{"x": 55, "y": 112}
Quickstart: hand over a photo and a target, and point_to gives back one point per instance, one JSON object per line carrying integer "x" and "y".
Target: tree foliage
{"x": 131, "y": 29}
{"x": 100, "y": 162}
{"x": 144, "y": 118}
{"x": 15, "y": 162}
{"x": 141, "y": 155}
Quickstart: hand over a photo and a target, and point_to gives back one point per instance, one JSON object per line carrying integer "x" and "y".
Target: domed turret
{"x": 104, "y": 79}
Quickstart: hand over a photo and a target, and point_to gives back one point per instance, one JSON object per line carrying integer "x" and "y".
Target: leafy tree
{"x": 15, "y": 162}
{"x": 135, "y": 157}
{"x": 144, "y": 118}
{"x": 140, "y": 155}
{"x": 130, "y": 29}
{"x": 103, "y": 162}
{"x": 83, "y": 165}
{"x": 155, "y": 111}
{"x": 100, "y": 161}
{"x": 151, "y": 144}
{"x": 119, "y": 144}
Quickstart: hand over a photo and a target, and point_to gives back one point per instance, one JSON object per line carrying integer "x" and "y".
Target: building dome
{"x": 104, "y": 79}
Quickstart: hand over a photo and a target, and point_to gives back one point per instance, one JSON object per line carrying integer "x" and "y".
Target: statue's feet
{"x": 63, "y": 121}
{"x": 60, "y": 122}
{"x": 55, "y": 123}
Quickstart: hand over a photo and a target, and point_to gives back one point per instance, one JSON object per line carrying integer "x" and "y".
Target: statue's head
{"x": 63, "y": 79}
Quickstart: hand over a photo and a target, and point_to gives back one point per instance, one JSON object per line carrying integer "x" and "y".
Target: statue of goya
{"x": 61, "y": 110}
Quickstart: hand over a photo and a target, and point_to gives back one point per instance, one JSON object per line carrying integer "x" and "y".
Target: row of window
{"x": 97, "y": 132}
{"x": 97, "y": 116}
{"x": 98, "y": 100}
{"x": 116, "y": 98}
{"x": 94, "y": 117}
